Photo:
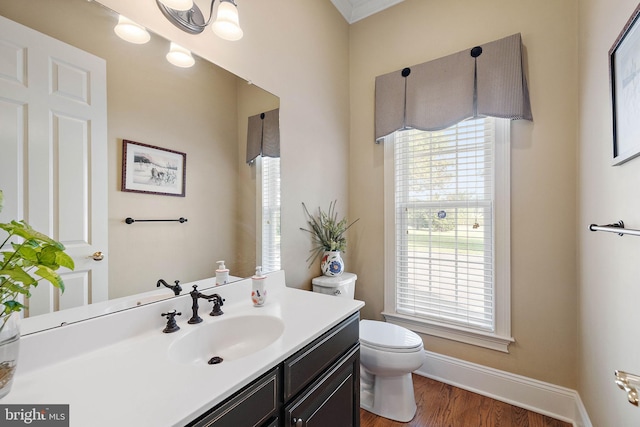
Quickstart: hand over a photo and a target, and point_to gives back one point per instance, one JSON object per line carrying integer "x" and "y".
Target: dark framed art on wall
{"x": 154, "y": 170}
{"x": 624, "y": 67}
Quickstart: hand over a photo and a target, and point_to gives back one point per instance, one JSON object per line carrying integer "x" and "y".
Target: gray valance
{"x": 263, "y": 135}
{"x": 488, "y": 80}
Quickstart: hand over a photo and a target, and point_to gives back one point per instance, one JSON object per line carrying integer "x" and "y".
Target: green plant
{"x": 28, "y": 262}
{"x": 326, "y": 231}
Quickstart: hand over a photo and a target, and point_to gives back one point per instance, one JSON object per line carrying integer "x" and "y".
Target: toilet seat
{"x": 388, "y": 337}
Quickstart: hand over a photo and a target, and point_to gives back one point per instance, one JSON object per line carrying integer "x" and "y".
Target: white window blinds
{"x": 270, "y": 213}
{"x": 444, "y": 219}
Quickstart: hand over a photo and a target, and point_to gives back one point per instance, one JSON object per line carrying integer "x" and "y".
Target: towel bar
{"x": 130, "y": 220}
{"x": 617, "y": 227}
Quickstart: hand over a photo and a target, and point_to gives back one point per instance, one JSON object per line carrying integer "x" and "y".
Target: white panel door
{"x": 53, "y": 167}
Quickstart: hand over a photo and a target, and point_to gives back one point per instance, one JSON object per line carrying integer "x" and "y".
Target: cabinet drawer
{"x": 253, "y": 406}
{"x": 304, "y": 366}
{"x": 332, "y": 400}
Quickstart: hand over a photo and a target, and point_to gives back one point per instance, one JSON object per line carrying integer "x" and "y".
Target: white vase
{"x": 9, "y": 348}
{"x": 332, "y": 263}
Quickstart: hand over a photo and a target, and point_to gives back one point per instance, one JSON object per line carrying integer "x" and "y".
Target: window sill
{"x": 477, "y": 338}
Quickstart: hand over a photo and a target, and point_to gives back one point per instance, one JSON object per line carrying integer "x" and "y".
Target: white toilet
{"x": 388, "y": 355}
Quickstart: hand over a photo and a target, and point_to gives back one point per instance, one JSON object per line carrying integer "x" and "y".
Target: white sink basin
{"x": 229, "y": 339}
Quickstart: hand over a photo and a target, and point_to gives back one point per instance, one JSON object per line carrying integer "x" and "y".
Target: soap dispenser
{"x": 258, "y": 291}
{"x": 222, "y": 274}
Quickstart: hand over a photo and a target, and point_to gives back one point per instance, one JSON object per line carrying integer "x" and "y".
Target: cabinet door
{"x": 333, "y": 400}
{"x": 252, "y": 407}
{"x": 307, "y": 364}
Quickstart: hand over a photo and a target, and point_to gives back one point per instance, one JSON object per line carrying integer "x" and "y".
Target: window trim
{"x": 501, "y": 338}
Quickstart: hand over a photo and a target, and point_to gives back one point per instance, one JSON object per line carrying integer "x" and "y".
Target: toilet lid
{"x": 388, "y": 336}
{"x": 334, "y": 281}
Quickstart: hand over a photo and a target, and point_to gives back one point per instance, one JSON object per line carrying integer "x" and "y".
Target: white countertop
{"x": 115, "y": 369}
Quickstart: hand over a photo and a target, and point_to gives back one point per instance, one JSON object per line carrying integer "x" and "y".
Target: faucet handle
{"x": 172, "y": 326}
{"x": 177, "y": 288}
{"x": 218, "y": 302}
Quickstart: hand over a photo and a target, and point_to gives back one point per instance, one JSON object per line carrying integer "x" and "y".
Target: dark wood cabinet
{"x": 308, "y": 363}
{"x": 332, "y": 400}
{"x": 319, "y": 386}
{"x": 253, "y": 406}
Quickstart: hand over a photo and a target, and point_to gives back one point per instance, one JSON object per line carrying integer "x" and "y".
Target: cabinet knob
{"x": 298, "y": 422}
{"x": 97, "y": 256}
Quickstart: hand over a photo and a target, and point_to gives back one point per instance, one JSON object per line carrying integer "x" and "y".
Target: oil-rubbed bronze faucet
{"x": 218, "y": 302}
{"x": 175, "y": 288}
{"x": 195, "y": 295}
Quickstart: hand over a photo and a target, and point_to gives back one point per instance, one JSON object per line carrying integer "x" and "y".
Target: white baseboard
{"x": 547, "y": 399}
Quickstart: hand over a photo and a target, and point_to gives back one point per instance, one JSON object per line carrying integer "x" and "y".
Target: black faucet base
{"x": 194, "y": 320}
{"x": 172, "y": 325}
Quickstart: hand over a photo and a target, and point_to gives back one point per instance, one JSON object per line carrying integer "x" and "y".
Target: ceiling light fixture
{"x": 179, "y": 56}
{"x": 191, "y": 20}
{"x": 178, "y": 4}
{"x": 130, "y": 31}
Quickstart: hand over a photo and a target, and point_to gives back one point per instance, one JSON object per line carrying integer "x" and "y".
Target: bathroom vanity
{"x": 293, "y": 362}
{"x": 319, "y": 385}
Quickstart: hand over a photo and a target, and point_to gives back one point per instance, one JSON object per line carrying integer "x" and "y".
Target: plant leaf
{"x": 17, "y": 274}
{"x": 28, "y": 253}
{"x": 64, "y": 260}
{"x": 47, "y": 257}
{"x": 50, "y": 276}
{"x": 327, "y": 232}
{"x": 24, "y": 230}
{"x": 11, "y": 306}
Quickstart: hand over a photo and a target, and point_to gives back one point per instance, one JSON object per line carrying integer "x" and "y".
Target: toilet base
{"x": 389, "y": 397}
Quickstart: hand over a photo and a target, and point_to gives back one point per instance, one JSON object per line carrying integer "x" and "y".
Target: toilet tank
{"x": 343, "y": 286}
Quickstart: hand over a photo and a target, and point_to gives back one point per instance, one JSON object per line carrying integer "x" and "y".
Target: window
{"x": 269, "y": 212}
{"x": 447, "y": 232}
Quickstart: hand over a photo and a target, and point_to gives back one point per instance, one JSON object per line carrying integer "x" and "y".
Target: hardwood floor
{"x": 442, "y": 405}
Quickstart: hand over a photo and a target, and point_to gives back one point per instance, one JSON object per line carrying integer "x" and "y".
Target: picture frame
{"x": 625, "y": 91}
{"x": 153, "y": 170}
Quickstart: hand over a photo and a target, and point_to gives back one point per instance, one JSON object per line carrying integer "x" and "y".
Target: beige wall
{"x": 608, "y": 271}
{"x": 543, "y": 201}
{"x": 192, "y": 111}
{"x": 299, "y": 52}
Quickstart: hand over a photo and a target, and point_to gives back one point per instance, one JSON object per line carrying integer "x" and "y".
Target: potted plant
{"x": 327, "y": 233}
{"x": 26, "y": 258}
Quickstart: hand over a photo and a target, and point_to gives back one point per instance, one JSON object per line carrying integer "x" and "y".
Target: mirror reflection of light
{"x": 130, "y": 31}
{"x": 179, "y": 56}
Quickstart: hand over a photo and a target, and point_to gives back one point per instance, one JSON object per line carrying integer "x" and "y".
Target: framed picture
{"x": 624, "y": 66}
{"x": 153, "y": 170}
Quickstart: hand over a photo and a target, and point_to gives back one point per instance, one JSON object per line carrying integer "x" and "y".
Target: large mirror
{"x": 201, "y": 111}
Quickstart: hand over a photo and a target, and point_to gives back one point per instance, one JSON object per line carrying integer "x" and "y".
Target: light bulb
{"x": 179, "y": 56}
{"x": 227, "y": 25}
{"x": 130, "y": 31}
{"x": 178, "y": 4}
